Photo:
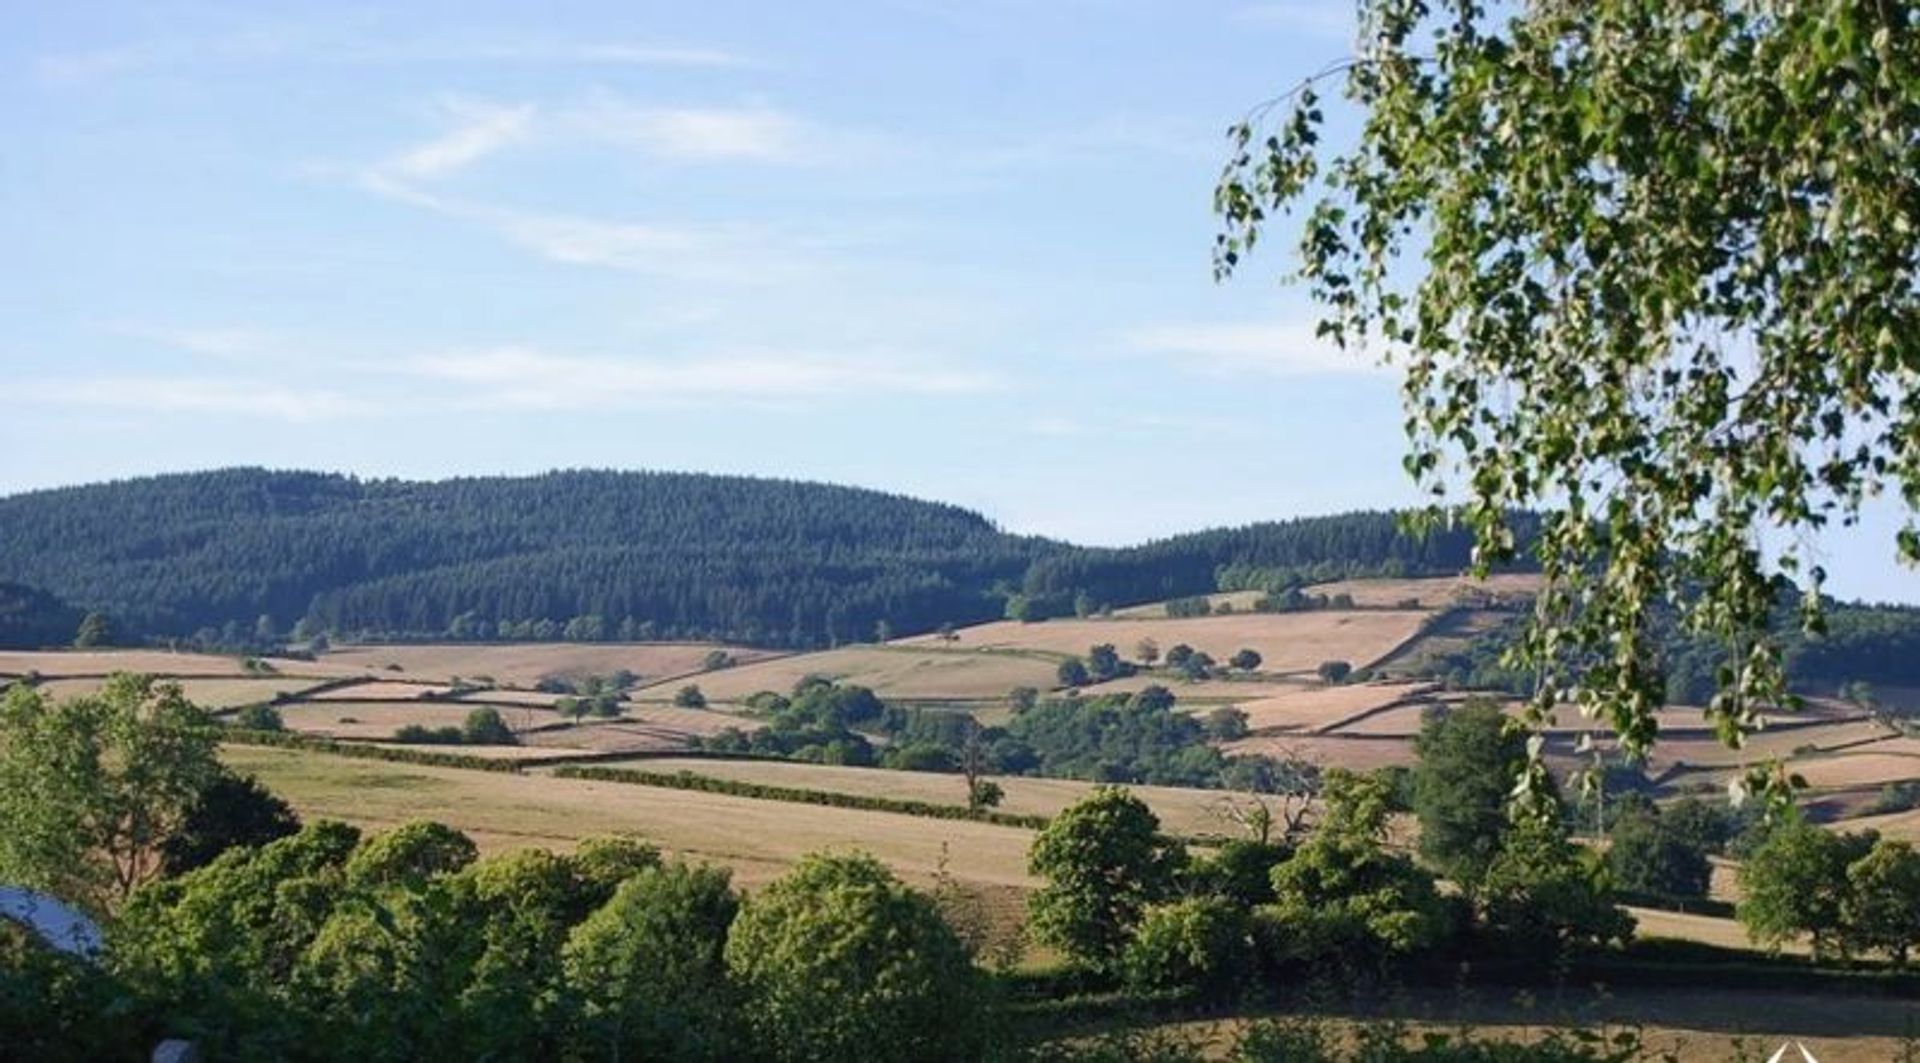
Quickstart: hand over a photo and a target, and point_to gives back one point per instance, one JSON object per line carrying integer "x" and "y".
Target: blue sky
{"x": 957, "y": 249}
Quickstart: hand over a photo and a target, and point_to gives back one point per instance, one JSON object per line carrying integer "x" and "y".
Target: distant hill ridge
{"x": 613, "y": 554}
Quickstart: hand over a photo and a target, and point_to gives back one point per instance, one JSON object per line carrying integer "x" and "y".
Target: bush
{"x": 690, "y": 697}
{"x": 484, "y": 727}
{"x": 1335, "y": 671}
{"x": 260, "y": 717}
{"x": 1202, "y": 943}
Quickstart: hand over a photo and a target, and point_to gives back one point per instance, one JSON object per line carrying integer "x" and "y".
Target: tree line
{"x": 241, "y": 557}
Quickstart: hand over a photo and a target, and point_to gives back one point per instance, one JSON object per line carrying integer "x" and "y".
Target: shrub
{"x": 690, "y": 697}
{"x": 484, "y": 727}
{"x": 1201, "y": 943}
{"x": 259, "y": 717}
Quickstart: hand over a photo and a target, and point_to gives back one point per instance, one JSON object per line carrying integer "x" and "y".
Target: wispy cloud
{"x": 523, "y": 378}
{"x": 1277, "y": 349}
{"x": 199, "y": 395}
{"x": 692, "y": 134}
{"x": 84, "y": 65}
{"x": 480, "y": 130}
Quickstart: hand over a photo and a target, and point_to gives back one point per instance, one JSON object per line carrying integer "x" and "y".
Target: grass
{"x": 526, "y": 663}
{"x": 921, "y": 672}
{"x": 1287, "y": 642}
{"x": 1181, "y": 811}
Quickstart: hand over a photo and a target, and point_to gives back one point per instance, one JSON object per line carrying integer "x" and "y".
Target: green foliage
{"x": 1104, "y": 863}
{"x": 687, "y": 780}
{"x": 1343, "y": 897}
{"x": 259, "y": 717}
{"x": 1795, "y": 882}
{"x": 838, "y": 960}
{"x": 484, "y": 727}
{"x": 1616, "y": 287}
{"x": 816, "y": 724}
{"x": 1544, "y": 897}
{"x": 1120, "y": 738}
{"x": 647, "y": 970}
{"x": 61, "y": 1008}
{"x": 95, "y": 630}
{"x": 1647, "y": 852}
{"x": 1073, "y": 673}
{"x": 1203, "y": 944}
{"x": 1245, "y": 660}
{"x": 1240, "y": 871}
{"x": 230, "y": 811}
{"x": 1334, "y": 671}
{"x": 690, "y": 697}
{"x": 409, "y": 855}
{"x": 1226, "y": 723}
{"x": 92, "y": 788}
{"x": 31, "y": 619}
{"x": 1468, "y": 761}
{"x": 1880, "y": 911}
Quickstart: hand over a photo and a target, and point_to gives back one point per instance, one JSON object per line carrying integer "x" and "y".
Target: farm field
{"x": 381, "y": 690}
{"x": 1182, "y": 811}
{"x": 90, "y": 663}
{"x": 645, "y": 729}
{"x": 1286, "y": 642}
{"x": 1433, "y": 592}
{"x": 509, "y": 811}
{"x": 1323, "y": 708}
{"x": 526, "y": 663}
{"x": 207, "y": 693}
{"x": 1328, "y": 751}
{"x": 379, "y": 719}
{"x": 1237, "y": 601}
{"x": 1850, "y": 769}
{"x": 1212, "y": 691}
{"x": 893, "y": 671}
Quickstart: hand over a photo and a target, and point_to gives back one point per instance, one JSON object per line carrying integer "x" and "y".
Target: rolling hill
{"x": 589, "y": 555}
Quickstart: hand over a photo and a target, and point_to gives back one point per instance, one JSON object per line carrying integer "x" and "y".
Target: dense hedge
{"x": 687, "y": 780}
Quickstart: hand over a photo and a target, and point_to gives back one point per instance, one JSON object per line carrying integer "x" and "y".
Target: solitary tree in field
{"x": 690, "y": 697}
{"x": 1881, "y": 909}
{"x": 1651, "y": 268}
{"x": 1245, "y": 660}
{"x": 1148, "y": 651}
{"x": 1335, "y": 671}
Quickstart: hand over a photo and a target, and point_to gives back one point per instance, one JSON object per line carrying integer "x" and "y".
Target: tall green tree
{"x": 1795, "y": 884}
{"x": 1469, "y": 759}
{"x": 1881, "y": 909}
{"x": 93, "y": 787}
{"x": 1104, "y": 862}
{"x": 647, "y": 971}
{"x": 1651, "y": 267}
{"x": 230, "y": 811}
{"x": 839, "y": 960}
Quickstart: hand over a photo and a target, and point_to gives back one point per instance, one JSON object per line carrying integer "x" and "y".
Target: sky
{"x": 953, "y": 248}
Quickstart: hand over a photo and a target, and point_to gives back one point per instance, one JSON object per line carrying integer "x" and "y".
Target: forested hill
{"x": 586, "y": 554}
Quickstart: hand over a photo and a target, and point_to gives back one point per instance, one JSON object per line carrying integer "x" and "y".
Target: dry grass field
{"x": 360, "y": 719}
{"x": 506, "y": 811}
{"x": 1435, "y": 592}
{"x": 380, "y": 690}
{"x": 526, "y": 663}
{"x": 55, "y": 663}
{"x": 920, "y": 672}
{"x": 646, "y": 729}
{"x": 1846, "y": 770}
{"x": 1287, "y": 642}
{"x": 1181, "y": 810}
{"x": 1328, "y": 751}
{"x": 213, "y": 694}
{"x": 1210, "y": 691}
{"x": 1321, "y": 709}
{"x": 1237, "y": 601}
{"x": 1705, "y": 751}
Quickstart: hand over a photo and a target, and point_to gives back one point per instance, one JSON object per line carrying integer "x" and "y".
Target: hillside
{"x": 587, "y": 555}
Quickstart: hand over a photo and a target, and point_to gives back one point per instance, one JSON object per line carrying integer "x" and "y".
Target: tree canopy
{"x": 1651, "y": 267}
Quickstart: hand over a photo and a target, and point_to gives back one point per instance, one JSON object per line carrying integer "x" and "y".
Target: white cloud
{"x": 1278, "y": 349}
{"x": 693, "y": 134}
{"x": 482, "y": 130}
{"x": 199, "y": 395}
{"x": 516, "y": 377}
